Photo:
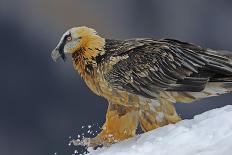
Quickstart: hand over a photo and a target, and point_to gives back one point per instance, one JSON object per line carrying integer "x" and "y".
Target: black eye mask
{"x": 61, "y": 47}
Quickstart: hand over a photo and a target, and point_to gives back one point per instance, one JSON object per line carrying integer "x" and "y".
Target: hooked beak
{"x": 57, "y": 53}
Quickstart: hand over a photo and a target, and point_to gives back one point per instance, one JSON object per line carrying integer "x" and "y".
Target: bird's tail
{"x": 224, "y": 80}
{"x": 211, "y": 89}
{"x": 228, "y": 86}
{"x": 220, "y": 83}
{"x": 227, "y": 81}
{"x": 224, "y": 53}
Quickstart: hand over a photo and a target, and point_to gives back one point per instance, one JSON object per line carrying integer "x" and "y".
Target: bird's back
{"x": 148, "y": 67}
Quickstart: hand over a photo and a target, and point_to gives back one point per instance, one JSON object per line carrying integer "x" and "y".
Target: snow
{"x": 209, "y": 133}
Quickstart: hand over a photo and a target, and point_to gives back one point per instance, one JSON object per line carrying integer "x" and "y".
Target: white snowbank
{"x": 209, "y": 133}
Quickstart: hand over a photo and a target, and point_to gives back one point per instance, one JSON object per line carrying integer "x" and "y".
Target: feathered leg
{"x": 159, "y": 114}
{"x": 121, "y": 123}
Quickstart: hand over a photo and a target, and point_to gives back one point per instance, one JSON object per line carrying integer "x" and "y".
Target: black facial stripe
{"x": 61, "y": 47}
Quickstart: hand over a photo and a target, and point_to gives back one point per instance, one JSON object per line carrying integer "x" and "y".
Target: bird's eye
{"x": 69, "y": 38}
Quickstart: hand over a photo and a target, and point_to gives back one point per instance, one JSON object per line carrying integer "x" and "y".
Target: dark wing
{"x": 147, "y": 67}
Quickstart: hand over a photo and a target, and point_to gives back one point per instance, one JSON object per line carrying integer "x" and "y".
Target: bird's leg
{"x": 121, "y": 123}
{"x": 159, "y": 115}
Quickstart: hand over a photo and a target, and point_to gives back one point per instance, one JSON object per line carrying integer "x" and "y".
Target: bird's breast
{"x": 94, "y": 79}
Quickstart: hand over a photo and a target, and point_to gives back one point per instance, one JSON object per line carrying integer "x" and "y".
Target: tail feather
{"x": 228, "y": 54}
{"x": 226, "y": 80}
{"x": 221, "y": 79}
{"x": 218, "y": 62}
{"x": 228, "y": 86}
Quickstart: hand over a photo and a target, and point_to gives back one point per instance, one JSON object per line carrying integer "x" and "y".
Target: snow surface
{"x": 209, "y": 133}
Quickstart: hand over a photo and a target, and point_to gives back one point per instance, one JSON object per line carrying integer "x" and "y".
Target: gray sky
{"x": 43, "y": 103}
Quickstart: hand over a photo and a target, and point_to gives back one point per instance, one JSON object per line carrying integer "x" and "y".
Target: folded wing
{"x": 146, "y": 67}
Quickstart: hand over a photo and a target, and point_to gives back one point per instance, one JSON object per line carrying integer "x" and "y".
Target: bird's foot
{"x": 91, "y": 142}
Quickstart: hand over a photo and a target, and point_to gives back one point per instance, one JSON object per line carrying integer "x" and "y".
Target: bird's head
{"x": 79, "y": 39}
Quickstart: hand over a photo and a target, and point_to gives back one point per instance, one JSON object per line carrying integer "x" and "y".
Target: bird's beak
{"x": 57, "y": 53}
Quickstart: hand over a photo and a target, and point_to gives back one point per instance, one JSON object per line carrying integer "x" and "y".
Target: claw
{"x": 90, "y": 142}
{"x": 83, "y": 142}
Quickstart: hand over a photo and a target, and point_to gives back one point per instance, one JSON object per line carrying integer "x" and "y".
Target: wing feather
{"x": 153, "y": 66}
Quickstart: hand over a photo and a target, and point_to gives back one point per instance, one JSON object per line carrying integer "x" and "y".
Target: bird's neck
{"x": 89, "y": 48}
{"x": 87, "y": 70}
{"x": 82, "y": 64}
{"x": 84, "y": 58}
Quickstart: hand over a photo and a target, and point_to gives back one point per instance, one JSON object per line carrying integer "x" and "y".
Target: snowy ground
{"x": 207, "y": 134}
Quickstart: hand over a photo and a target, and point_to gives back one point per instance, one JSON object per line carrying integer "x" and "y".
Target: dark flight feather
{"x": 152, "y": 66}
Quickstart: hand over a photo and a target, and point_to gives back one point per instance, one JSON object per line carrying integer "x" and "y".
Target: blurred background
{"x": 44, "y": 103}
